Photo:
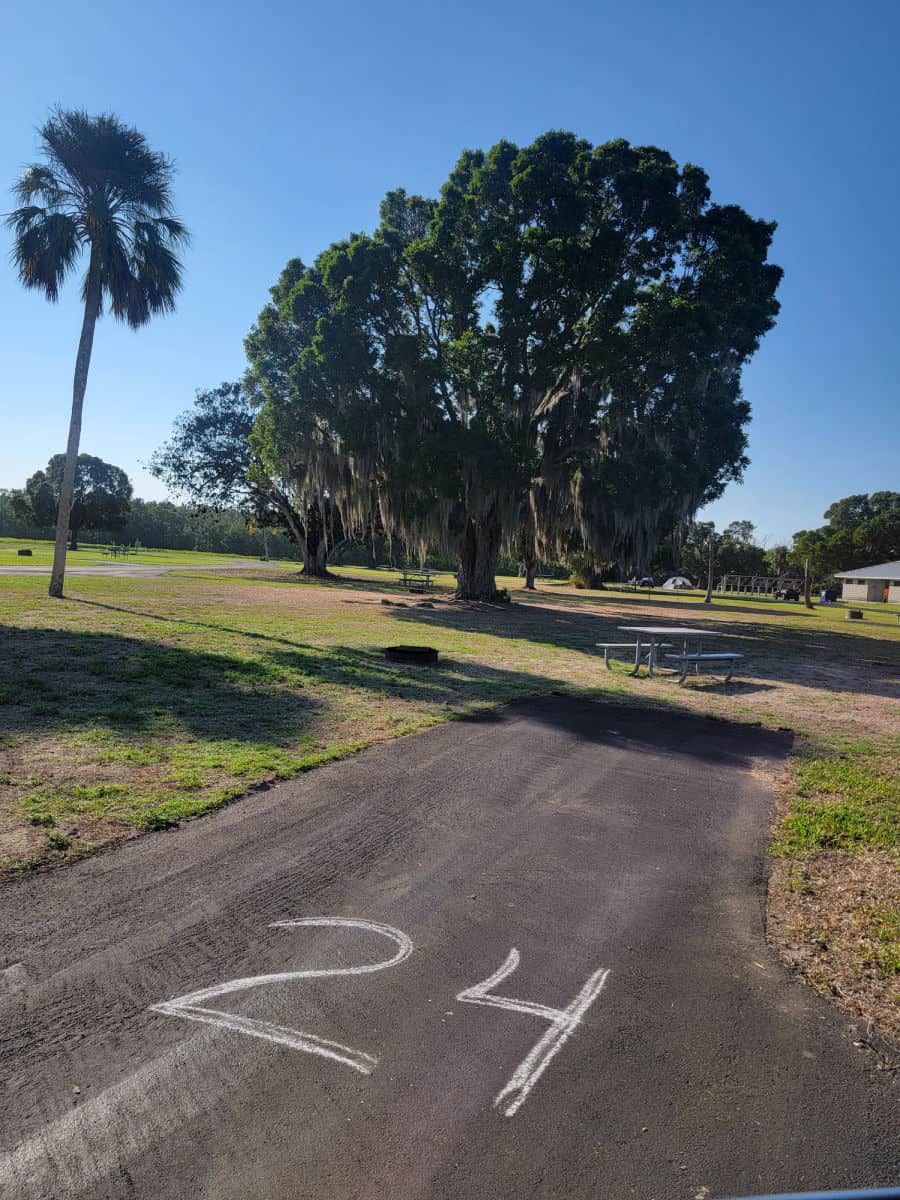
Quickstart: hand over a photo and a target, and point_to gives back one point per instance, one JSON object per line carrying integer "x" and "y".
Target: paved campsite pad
{"x": 589, "y": 838}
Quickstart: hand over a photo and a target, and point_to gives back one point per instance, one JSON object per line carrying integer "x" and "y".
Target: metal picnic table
{"x": 656, "y": 635}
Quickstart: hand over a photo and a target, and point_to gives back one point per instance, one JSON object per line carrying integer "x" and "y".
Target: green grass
{"x": 844, "y": 801}
{"x": 884, "y": 934}
{"x": 88, "y": 554}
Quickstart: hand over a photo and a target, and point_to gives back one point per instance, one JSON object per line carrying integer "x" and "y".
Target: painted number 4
{"x": 562, "y": 1022}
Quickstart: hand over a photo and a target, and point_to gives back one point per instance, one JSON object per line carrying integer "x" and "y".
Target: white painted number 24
{"x": 562, "y": 1022}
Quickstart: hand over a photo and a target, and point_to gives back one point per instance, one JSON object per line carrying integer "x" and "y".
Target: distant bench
{"x": 724, "y": 658}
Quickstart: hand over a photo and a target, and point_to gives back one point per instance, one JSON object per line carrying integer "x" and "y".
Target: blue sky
{"x": 289, "y": 121}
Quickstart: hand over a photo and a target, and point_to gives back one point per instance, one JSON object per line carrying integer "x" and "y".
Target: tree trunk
{"x": 807, "y": 585}
{"x": 315, "y": 544}
{"x": 315, "y": 552}
{"x": 315, "y": 559}
{"x": 530, "y": 569}
{"x": 79, "y": 385}
{"x": 478, "y": 555}
{"x": 73, "y": 537}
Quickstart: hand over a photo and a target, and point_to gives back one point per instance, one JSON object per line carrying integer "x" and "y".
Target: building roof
{"x": 886, "y": 571}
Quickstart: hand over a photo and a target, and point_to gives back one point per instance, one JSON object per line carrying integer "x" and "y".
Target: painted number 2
{"x": 193, "y": 1006}
{"x": 562, "y": 1021}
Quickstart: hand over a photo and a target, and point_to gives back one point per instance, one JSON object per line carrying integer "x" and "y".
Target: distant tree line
{"x": 159, "y": 524}
{"x": 101, "y": 497}
{"x": 860, "y": 531}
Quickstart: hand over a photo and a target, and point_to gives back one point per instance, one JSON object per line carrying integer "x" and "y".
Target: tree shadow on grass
{"x": 192, "y": 622}
{"x": 67, "y": 681}
{"x": 63, "y": 680}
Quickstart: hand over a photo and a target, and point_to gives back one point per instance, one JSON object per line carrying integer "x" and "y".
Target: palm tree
{"x": 100, "y": 190}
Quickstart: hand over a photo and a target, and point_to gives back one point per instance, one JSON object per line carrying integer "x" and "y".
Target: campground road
{"x": 650, "y": 1044}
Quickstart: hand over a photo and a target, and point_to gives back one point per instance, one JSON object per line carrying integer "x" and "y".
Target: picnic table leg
{"x": 637, "y": 655}
{"x": 650, "y": 657}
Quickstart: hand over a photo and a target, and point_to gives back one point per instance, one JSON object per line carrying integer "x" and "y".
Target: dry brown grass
{"x": 827, "y": 918}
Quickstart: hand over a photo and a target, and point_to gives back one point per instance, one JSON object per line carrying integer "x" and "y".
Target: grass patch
{"x": 845, "y": 801}
{"x": 884, "y": 951}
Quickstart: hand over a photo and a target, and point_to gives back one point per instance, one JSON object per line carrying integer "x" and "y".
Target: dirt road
{"x": 515, "y": 957}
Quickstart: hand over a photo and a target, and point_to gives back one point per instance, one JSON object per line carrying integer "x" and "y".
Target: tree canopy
{"x": 102, "y": 496}
{"x": 861, "y": 531}
{"x": 550, "y": 350}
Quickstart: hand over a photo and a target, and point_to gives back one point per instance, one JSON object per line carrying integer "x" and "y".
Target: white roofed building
{"x": 871, "y": 583}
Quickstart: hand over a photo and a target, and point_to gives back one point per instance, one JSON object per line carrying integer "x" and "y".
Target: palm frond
{"x": 156, "y": 271}
{"x": 46, "y": 246}
{"x": 38, "y": 181}
{"x": 178, "y": 232}
{"x": 22, "y": 219}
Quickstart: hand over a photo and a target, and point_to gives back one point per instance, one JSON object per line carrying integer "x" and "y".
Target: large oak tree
{"x": 550, "y": 351}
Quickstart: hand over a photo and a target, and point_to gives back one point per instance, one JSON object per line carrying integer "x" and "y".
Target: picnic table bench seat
{"x": 724, "y": 657}
{"x": 607, "y": 646}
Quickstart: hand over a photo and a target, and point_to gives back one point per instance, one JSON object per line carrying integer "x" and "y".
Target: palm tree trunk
{"x": 79, "y": 385}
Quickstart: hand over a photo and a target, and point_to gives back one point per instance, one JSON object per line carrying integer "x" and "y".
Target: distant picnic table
{"x": 416, "y": 581}
{"x": 116, "y": 551}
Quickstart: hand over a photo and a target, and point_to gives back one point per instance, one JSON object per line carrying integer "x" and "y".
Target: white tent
{"x": 677, "y": 583}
